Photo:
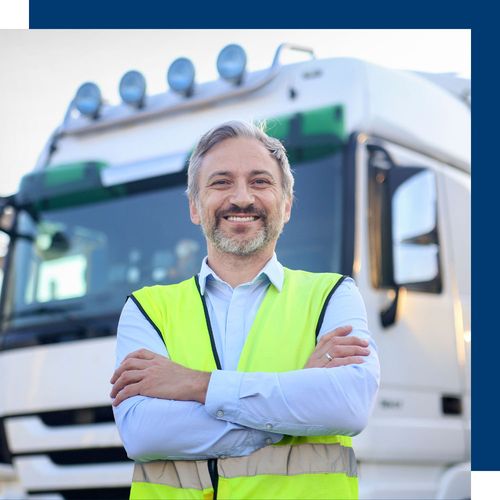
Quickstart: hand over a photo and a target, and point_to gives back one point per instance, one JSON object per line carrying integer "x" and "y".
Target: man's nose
{"x": 242, "y": 195}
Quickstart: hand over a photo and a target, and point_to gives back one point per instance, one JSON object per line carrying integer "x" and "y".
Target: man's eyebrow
{"x": 261, "y": 172}
{"x": 227, "y": 173}
{"x": 219, "y": 173}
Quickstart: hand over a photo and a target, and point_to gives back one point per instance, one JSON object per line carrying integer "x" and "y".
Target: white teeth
{"x": 241, "y": 219}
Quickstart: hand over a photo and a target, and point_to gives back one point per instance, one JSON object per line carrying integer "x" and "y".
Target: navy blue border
{"x": 256, "y": 14}
{"x": 485, "y": 269}
{"x": 398, "y": 15}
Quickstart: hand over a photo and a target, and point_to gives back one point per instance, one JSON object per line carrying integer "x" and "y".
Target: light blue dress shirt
{"x": 246, "y": 411}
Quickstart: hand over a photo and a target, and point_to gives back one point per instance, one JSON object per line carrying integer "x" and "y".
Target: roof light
{"x": 180, "y": 76}
{"x": 231, "y": 63}
{"x": 88, "y": 99}
{"x": 133, "y": 88}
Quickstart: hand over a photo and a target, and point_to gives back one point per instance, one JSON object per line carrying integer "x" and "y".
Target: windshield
{"x": 91, "y": 232}
{"x": 84, "y": 260}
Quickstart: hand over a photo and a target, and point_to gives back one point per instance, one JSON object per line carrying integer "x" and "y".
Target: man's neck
{"x": 236, "y": 270}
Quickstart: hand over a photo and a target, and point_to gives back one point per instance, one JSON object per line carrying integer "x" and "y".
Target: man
{"x": 244, "y": 381}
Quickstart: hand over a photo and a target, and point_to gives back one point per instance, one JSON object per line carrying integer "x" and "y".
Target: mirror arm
{"x": 388, "y": 315}
{"x": 13, "y": 235}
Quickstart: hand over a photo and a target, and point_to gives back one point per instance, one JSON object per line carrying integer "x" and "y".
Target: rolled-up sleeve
{"x": 316, "y": 401}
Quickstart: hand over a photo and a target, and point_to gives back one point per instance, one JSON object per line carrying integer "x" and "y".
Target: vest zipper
{"x": 214, "y": 476}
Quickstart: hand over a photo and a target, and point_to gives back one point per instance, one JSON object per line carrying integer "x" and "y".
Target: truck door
{"x": 405, "y": 269}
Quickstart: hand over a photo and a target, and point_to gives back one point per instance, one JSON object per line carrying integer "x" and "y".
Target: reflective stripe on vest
{"x": 287, "y": 323}
{"x": 172, "y": 479}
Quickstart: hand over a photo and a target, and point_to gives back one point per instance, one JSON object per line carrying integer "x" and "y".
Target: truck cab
{"x": 381, "y": 160}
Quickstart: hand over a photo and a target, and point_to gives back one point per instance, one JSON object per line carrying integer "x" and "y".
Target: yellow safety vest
{"x": 282, "y": 338}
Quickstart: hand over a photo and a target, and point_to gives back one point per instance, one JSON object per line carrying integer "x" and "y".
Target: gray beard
{"x": 232, "y": 245}
{"x": 244, "y": 248}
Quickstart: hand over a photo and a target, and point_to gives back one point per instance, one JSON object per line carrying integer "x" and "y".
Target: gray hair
{"x": 234, "y": 129}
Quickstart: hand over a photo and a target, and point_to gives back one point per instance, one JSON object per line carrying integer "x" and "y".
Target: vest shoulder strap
{"x": 156, "y": 301}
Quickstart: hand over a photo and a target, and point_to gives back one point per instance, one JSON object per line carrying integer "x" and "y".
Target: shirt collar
{"x": 272, "y": 271}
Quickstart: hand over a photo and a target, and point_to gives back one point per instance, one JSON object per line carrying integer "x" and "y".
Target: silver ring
{"x": 330, "y": 358}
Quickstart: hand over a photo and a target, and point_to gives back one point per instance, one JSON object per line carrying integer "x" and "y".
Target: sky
{"x": 42, "y": 69}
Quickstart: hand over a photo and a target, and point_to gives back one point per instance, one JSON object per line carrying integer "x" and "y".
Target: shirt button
{"x": 269, "y": 426}
{"x": 220, "y": 413}
{"x": 269, "y": 441}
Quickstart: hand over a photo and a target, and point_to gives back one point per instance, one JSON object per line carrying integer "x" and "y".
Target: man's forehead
{"x": 238, "y": 153}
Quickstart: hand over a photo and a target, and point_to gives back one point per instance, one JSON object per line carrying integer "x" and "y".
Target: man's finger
{"x": 126, "y": 365}
{"x": 351, "y": 340}
{"x": 350, "y": 350}
{"x": 338, "y": 332}
{"x": 141, "y": 354}
{"x": 332, "y": 345}
{"x": 350, "y": 360}
{"x": 126, "y": 378}
{"x": 127, "y": 392}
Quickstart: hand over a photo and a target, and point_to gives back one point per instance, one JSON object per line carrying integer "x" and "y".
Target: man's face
{"x": 241, "y": 206}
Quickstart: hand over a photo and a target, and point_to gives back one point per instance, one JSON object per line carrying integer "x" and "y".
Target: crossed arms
{"x": 164, "y": 410}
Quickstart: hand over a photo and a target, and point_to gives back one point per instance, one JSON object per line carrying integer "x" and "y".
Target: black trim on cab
{"x": 59, "y": 331}
{"x": 349, "y": 205}
{"x": 5, "y": 455}
{"x": 81, "y": 456}
{"x": 75, "y": 416}
{"x": 7, "y": 268}
{"x": 88, "y": 493}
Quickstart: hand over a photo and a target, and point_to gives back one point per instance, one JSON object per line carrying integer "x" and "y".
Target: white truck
{"x": 382, "y": 165}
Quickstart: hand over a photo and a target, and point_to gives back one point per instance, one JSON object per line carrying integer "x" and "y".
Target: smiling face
{"x": 241, "y": 205}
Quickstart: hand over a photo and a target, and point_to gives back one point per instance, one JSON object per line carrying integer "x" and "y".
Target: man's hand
{"x": 148, "y": 374}
{"x": 342, "y": 349}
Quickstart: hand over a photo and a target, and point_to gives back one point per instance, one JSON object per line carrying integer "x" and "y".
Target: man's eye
{"x": 261, "y": 181}
{"x": 219, "y": 182}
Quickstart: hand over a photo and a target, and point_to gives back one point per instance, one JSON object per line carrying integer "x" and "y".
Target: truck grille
{"x": 76, "y": 454}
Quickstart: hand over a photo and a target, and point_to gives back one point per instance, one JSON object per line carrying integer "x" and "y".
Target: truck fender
{"x": 455, "y": 483}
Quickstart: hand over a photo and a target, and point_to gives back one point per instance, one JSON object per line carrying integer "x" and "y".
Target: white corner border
{"x": 14, "y": 14}
{"x": 484, "y": 484}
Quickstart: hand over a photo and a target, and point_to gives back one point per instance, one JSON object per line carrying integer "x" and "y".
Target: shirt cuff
{"x": 223, "y": 403}
{"x": 223, "y": 395}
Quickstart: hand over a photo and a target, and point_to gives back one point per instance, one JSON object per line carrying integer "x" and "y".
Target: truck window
{"x": 83, "y": 260}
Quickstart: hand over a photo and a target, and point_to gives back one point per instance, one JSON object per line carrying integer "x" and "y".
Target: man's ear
{"x": 193, "y": 212}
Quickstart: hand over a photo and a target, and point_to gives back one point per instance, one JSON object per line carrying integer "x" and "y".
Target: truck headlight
{"x": 133, "y": 88}
{"x": 180, "y": 76}
{"x": 88, "y": 99}
{"x": 231, "y": 63}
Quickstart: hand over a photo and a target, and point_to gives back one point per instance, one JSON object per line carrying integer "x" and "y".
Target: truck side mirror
{"x": 414, "y": 229}
{"x": 403, "y": 228}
